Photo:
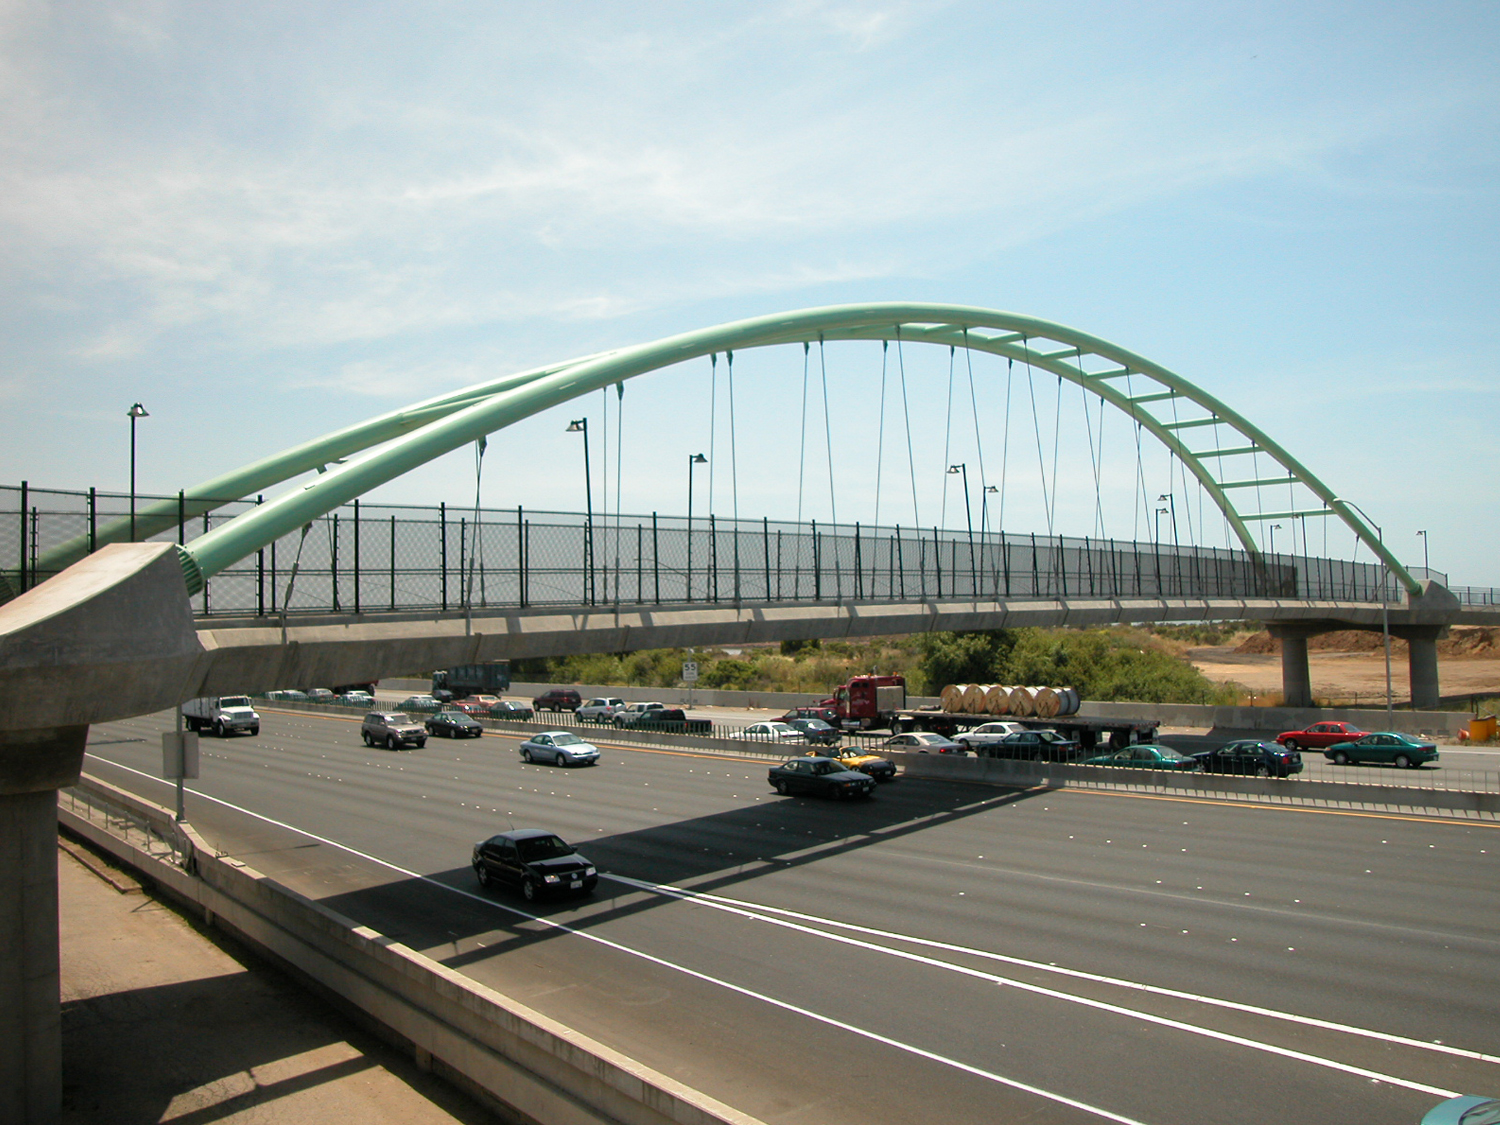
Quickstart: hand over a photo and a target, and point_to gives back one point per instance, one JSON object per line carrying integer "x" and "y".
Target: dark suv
{"x": 558, "y": 699}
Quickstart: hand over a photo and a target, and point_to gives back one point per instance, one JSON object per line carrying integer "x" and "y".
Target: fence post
{"x": 333, "y": 561}
{"x": 356, "y": 554}
{"x": 736, "y": 562}
{"x": 937, "y": 560}
{"x": 713, "y": 554}
{"x": 25, "y": 490}
{"x": 1062, "y": 565}
{"x": 205, "y": 583}
{"x": 443, "y": 550}
{"x": 640, "y": 563}
{"x": 526, "y": 565}
{"x": 260, "y": 573}
{"x": 817, "y": 564}
{"x": 93, "y": 520}
{"x": 900, "y": 562}
{"x": 765, "y": 546}
{"x": 181, "y": 517}
{"x": 859, "y": 585}
{"x": 393, "y": 561}
{"x": 656, "y": 557}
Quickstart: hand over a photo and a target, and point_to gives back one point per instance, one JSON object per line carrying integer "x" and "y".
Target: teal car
{"x": 1385, "y": 748}
{"x": 1145, "y": 757}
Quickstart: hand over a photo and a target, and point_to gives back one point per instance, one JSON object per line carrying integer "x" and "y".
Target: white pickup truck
{"x": 222, "y": 714}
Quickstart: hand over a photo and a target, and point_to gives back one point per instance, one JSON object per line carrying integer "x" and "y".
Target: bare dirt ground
{"x": 1350, "y": 666}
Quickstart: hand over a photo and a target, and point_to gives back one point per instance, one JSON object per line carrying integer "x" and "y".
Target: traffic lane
{"x": 1293, "y": 1086}
{"x": 674, "y": 851}
{"x": 1262, "y": 904}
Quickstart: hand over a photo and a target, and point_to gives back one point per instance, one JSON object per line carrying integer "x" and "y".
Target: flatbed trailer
{"x": 1089, "y": 732}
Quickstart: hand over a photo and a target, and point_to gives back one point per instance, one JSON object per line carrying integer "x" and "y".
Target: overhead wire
{"x": 802, "y": 436}
{"x": 1036, "y": 426}
{"x": 911, "y": 461}
{"x": 885, "y": 348}
{"x": 947, "y": 440}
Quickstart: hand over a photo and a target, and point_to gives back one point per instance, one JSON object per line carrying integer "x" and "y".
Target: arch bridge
{"x": 101, "y": 627}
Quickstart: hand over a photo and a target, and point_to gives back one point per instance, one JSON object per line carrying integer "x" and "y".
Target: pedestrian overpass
{"x": 228, "y": 593}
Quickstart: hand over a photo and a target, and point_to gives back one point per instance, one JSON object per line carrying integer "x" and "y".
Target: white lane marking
{"x": 750, "y": 908}
{"x": 909, "y": 1048}
{"x": 1082, "y": 1001}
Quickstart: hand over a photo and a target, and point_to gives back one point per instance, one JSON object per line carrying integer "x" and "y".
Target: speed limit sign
{"x": 689, "y": 671}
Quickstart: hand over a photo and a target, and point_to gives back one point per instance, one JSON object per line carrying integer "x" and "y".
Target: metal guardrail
{"x": 371, "y": 558}
{"x": 158, "y": 838}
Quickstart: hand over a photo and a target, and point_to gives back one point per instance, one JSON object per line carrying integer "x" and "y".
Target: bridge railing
{"x": 373, "y": 558}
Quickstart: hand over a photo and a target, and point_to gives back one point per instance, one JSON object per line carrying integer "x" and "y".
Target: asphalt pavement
{"x": 941, "y": 952}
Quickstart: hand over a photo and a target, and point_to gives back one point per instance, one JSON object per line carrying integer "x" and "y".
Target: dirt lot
{"x": 1349, "y": 667}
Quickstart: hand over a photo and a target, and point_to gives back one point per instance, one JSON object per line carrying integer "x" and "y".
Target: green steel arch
{"x": 1141, "y": 389}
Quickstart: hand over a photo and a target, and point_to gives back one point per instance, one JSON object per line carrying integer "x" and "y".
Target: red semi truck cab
{"x": 869, "y": 701}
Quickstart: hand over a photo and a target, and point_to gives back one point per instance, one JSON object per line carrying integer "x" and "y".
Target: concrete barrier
{"x": 531, "y": 1064}
{"x": 1046, "y": 775}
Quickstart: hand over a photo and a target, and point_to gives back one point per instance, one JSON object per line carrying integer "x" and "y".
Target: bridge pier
{"x": 1296, "y": 677}
{"x": 34, "y": 764}
{"x": 1421, "y": 663}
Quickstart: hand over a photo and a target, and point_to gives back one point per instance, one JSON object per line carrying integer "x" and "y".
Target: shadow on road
{"x": 711, "y": 854}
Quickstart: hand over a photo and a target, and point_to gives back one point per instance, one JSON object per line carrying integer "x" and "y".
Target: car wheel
{"x": 421, "y": 742}
{"x": 1262, "y": 771}
{"x": 1293, "y": 744}
{"x": 482, "y": 873}
{"x": 392, "y": 742}
{"x": 255, "y": 730}
{"x": 525, "y": 754}
{"x": 1403, "y": 762}
{"x": 366, "y": 736}
{"x": 1340, "y": 758}
{"x": 528, "y": 890}
{"x": 218, "y": 729}
{"x": 779, "y": 786}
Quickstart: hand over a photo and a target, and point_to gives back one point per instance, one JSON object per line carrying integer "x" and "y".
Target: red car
{"x": 1319, "y": 735}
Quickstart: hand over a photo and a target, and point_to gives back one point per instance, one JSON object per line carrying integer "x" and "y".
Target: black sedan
{"x": 510, "y": 709}
{"x": 535, "y": 860}
{"x": 816, "y": 732}
{"x": 1031, "y": 745}
{"x": 820, "y": 777}
{"x": 454, "y": 724}
{"x": 1255, "y": 759}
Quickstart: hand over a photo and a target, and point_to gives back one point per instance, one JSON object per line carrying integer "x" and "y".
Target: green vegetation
{"x": 1103, "y": 664}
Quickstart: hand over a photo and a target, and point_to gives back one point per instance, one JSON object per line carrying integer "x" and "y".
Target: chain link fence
{"x": 373, "y": 558}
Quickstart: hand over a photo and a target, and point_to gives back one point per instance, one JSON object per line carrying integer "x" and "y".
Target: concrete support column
{"x": 1296, "y": 679}
{"x": 33, "y": 766}
{"x": 30, "y": 1020}
{"x": 1423, "y": 664}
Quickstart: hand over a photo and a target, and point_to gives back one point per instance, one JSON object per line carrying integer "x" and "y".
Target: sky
{"x": 268, "y": 221}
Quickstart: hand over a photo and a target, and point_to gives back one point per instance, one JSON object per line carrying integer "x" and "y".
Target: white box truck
{"x": 222, "y": 714}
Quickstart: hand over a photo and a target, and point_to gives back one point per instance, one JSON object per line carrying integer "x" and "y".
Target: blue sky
{"x": 266, "y": 221}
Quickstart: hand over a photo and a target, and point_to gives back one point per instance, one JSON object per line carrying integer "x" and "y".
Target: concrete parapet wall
{"x": 542, "y": 1069}
{"x": 1005, "y": 772}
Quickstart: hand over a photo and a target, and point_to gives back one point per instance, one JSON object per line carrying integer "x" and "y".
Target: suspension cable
{"x": 1056, "y": 443}
{"x": 713, "y": 423}
{"x": 911, "y": 462}
{"x": 827, "y": 432}
{"x": 802, "y": 440}
{"x": 974, "y": 411}
{"x": 619, "y": 473}
{"x": 947, "y": 441}
{"x": 734, "y": 464}
{"x": 1036, "y": 426}
{"x": 1088, "y": 425}
{"x": 1010, "y": 372}
{"x": 885, "y": 347}
{"x": 1140, "y": 469}
{"x": 478, "y": 543}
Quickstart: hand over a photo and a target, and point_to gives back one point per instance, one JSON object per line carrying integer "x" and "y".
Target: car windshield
{"x": 397, "y": 718}
{"x": 542, "y": 847}
{"x": 235, "y": 701}
{"x": 815, "y": 724}
{"x": 827, "y": 767}
{"x": 780, "y": 728}
{"x": 566, "y": 739}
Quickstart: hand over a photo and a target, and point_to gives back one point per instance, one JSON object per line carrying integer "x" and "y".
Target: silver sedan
{"x": 561, "y": 748}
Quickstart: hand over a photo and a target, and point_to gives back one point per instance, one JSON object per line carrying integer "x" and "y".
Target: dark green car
{"x": 1145, "y": 757}
{"x": 1385, "y": 748}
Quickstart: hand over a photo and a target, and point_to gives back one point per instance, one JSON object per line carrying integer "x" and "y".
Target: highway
{"x": 942, "y": 952}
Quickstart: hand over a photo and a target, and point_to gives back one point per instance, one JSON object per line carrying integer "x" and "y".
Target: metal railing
{"x": 161, "y": 839}
{"x": 372, "y": 558}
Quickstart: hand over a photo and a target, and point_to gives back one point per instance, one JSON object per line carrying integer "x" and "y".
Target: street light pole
{"x": 581, "y": 426}
{"x": 693, "y": 459}
{"x": 136, "y": 411}
{"x": 963, "y": 467}
{"x": 1426, "y": 567}
{"x": 1275, "y": 527}
{"x": 984, "y": 508}
{"x": 1385, "y": 616}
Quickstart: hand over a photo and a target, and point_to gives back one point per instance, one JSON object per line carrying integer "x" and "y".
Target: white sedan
{"x": 770, "y": 732}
